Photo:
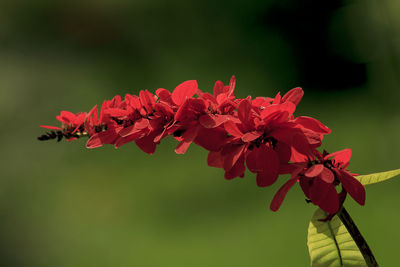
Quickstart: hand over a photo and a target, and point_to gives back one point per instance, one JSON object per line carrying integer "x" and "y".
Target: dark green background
{"x": 64, "y": 205}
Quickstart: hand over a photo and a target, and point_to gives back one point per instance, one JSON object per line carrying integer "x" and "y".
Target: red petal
{"x": 256, "y": 159}
{"x": 284, "y": 152}
{"x": 80, "y": 118}
{"x": 142, "y": 123}
{"x": 342, "y": 156}
{"x": 330, "y": 203}
{"x": 244, "y": 110}
{"x": 277, "y": 99}
{"x": 116, "y": 112}
{"x": 220, "y": 119}
{"x": 220, "y": 99}
{"x": 147, "y": 100}
{"x": 287, "y": 168}
{"x": 325, "y": 196}
{"x": 284, "y": 134}
{"x": 146, "y": 144}
{"x": 289, "y": 107}
{"x": 78, "y": 121}
{"x": 232, "y": 129}
{"x": 251, "y": 160}
{"x": 211, "y": 121}
{"x": 197, "y": 104}
{"x": 314, "y": 170}
{"x": 102, "y": 111}
{"x": 237, "y": 170}
{"x": 182, "y": 147}
{"x": 313, "y": 138}
{"x": 211, "y": 139}
{"x": 98, "y": 139}
{"x": 210, "y": 98}
{"x": 163, "y": 94}
{"x": 297, "y": 157}
{"x": 66, "y": 117}
{"x": 318, "y": 190}
{"x": 136, "y": 134}
{"x": 300, "y": 167}
{"x": 123, "y": 140}
{"x": 188, "y": 136}
{"x": 294, "y": 96}
{"x": 300, "y": 143}
{"x": 218, "y": 88}
{"x": 268, "y": 162}
{"x": 312, "y": 124}
{"x": 214, "y": 159}
{"x": 259, "y": 103}
{"x": 160, "y": 136}
{"x": 268, "y": 159}
{"x": 182, "y": 112}
{"x": 305, "y": 184}
{"x": 94, "y": 115}
{"x": 280, "y": 195}
{"x": 250, "y": 136}
{"x": 133, "y": 101}
{"x": 232, "y": 84}
{"x": 277, "y": 117}
{"x": 353, "y": 187}
{"x": 116, "y": 101}
{"x": 267, "y": 178}
{"x": 128, "y": 131}
{"x": 327, "y": 175}
{"x": 231, "y": 154}
{"x": 165, "y": 110}
{"x": 50, "y": 127}
{"x": 183, "y": 91}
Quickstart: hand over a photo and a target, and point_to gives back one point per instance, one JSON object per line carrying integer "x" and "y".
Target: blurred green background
{"x": 64, "y": 205}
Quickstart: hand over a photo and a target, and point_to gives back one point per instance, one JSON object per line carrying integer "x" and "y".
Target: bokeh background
{"x": 63, "y": 205}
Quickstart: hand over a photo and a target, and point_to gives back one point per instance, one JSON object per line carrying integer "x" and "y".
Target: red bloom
{"x": 69, "y": 121}
{"x": 126, "y": 121}
{"x": 221, "y": 105}
{"x": 318, "y": 179}
{"x": 264, "y": 135}
{"x": 200, "y": 119}
{"x": 260, "y": 133}
{"x": 72, "y": 124}
{"x": 104, "y": 130}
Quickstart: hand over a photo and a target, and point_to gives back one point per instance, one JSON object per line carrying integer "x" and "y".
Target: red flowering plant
{"x": 319, "y": 177}
{"x": 259, "y": 133}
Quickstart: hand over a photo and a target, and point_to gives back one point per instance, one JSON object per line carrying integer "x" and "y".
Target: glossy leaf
{"x": 330, "y": 244}
{"x": 377, "y": 177}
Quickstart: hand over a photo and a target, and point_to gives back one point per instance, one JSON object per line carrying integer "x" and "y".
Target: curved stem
{"x": 357, "y": 237}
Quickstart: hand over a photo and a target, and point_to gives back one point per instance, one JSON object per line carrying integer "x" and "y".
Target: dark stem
{"x": 357, "y": 237}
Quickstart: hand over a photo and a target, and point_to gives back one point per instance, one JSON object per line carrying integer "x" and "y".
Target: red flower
{"x": 186, "y": 121}
{"x": 261, "y": 133}
{"x": 200, "y": 120}
{"x": 69, "y": 121}
{"x": 104, "y": 130}
{"x": 221, "y": 108}
{"x": 264, "y": 134}
{"x": 72, "y": 124}
{"x": 125, "y": 121}
{"x": 221, "y": 105}
{"x": 318, "y": 179}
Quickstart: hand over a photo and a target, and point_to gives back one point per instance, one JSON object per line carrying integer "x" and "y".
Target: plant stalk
{"x": 357, "y": 237}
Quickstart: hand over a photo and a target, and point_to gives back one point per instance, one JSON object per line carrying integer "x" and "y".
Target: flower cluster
{"x": 261, "y": 133}
{"x": 318, "y": 177}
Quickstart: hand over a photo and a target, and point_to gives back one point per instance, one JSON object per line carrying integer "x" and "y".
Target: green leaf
{"x": 377, "y": 177}
{"x": 330, "y": 244}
